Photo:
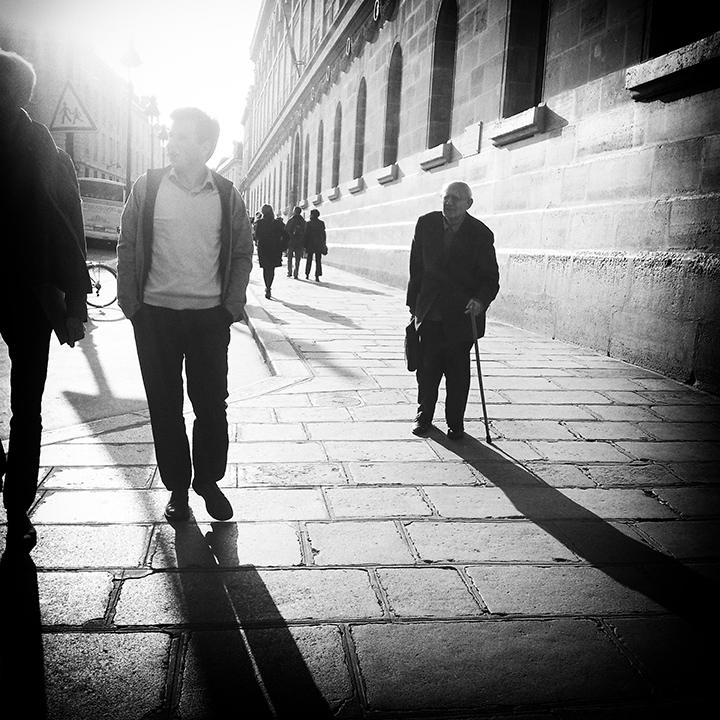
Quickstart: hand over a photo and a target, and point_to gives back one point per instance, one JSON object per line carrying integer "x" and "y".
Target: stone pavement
{"x": 568, "y": 570}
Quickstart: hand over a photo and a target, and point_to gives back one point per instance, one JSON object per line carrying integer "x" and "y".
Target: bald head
{"x": 456, "y": 200}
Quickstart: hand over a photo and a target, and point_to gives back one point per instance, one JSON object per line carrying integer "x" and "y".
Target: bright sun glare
{"x": 193, "y": 52}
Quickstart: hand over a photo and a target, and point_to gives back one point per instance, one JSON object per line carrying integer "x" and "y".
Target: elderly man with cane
{"x": 453, "y": 279}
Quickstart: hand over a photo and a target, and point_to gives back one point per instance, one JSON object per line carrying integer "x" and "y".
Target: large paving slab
{"x": 111, "y": 675}
{"x": 476, "y": 665}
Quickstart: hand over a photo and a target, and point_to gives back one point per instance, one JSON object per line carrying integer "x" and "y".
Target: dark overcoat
{"x": 315, "y": 239}
{"x": 449, "y": 278}
{"x": 272, "y": 239}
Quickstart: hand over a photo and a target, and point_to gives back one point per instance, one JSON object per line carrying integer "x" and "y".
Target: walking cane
{"x": 480, "y": 380}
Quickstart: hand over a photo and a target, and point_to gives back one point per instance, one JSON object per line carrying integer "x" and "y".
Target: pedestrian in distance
{"x": 44, "y": 280}
{"x": 184, "y": 261}
{"x": 272, "y": 241}
{"x": 296, "y": 231}
{"x": 253, "y": 223}
{"x": 453, "y": 279}
{"x": 315, "y": 244}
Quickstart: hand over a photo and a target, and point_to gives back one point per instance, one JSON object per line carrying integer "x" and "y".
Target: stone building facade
{"x": 588, "y": 130}
{"x": 233, "y": 167}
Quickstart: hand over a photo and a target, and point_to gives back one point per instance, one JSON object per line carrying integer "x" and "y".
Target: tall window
{"x": 671, "y": 25}
{"x": 306, "y": 167}
{"x": 319, "y": 164}
{"x": 525, "y": 65}
{"x": 360, "y": 114}
{"x": 337, "y": 137}
{"x": 289, "y": 180}
{"x": 392, "y": 108}
{"x": 295, "y": 173}
{"x": 443, "y": 75}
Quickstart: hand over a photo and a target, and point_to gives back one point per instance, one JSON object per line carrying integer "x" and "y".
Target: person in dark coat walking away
{"x": 296, "y": 230}
{"x": 315, "y": 244}
{"x": 272, "y": 239}
{"x": 453, "y": 280}
{"x": 44, "y": 281}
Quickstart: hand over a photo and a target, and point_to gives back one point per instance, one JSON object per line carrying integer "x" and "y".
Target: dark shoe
{"x": 317, "y": 279}
{"x": 307, "y": 277}
{"x": 455, "y": 434}
{"x": 21, "y": 533}
{"x": 178, "y": 507}
{"x": 217, "y": 505}
{"x": 421, "y": 428}
{"x": 267, "y": 293}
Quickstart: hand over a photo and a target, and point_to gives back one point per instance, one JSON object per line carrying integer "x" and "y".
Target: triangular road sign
{"x": 71, "y": 115}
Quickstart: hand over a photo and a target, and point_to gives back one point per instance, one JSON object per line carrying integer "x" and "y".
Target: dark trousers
{"x": 26, "y": 333}
{"x": 318, "y": 263}
{"x": 294, "y": 254}
{"x": 442, "y": 357}
{"x": 268, "y": 276}
{"x": 165, "y": 340}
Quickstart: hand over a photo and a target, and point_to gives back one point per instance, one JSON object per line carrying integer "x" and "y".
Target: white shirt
{"x": 185, "y": 266}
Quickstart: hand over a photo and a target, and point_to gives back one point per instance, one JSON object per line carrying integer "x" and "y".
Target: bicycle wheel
{"x": 104, "y": 285}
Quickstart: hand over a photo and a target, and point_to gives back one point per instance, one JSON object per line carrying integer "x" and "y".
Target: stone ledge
{"x": 682, "y": 72}
{"x": 436, "y": 156}
{"x": 519, "y": 127}
{"x": 356, "y": 186}
{"x": 388, "y": 174}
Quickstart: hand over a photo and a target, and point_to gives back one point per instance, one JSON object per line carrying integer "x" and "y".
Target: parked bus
{"x": 102, "y": 205}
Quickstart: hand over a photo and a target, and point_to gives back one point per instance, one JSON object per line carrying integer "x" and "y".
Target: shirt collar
{"x": 208, "y": 183}
{"x": 449, "y": 226}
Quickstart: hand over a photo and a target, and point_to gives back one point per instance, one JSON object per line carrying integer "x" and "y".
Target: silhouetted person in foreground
{"x": 453, "y": 279}
{"x": 184, "y": 261}
{"x": 271, "y": 237}
{"x": 44, "y": 280}
{"x": 315, "y": 242}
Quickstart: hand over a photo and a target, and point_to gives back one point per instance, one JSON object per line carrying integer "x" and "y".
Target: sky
{"x": 193, "y": 52}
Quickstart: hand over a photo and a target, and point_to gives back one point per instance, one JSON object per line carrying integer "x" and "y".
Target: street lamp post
{"x": 153, "y": 113}
{"x": 163, "y": 138}
{"x": 130, "y": 59}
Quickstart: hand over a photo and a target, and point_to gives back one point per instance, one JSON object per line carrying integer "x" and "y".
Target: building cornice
{"x": 261, "y": 27}
{"x": 333, "y": 57}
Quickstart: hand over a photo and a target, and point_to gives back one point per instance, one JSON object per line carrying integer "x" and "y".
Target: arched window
{"x": 289, "y": 179}
{"x": 360, "y": 114}
{"x": 392, "y": 108}
{"x": 337, "y": 136}
{"x": 525, "y": 55}
{"x": 319, "y": 163}
{"x": 295, "y": 189}
{"x": 443, "y": 75}
{"x": 306, "y": 167}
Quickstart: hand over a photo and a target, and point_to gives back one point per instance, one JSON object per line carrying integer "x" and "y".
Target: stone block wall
{"x": 607, "y": 219}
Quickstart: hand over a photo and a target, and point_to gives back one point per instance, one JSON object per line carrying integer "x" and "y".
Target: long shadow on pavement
{"x": 226, "y": 670}
{"x": 102, "y": 403}
{"x": 628, "y": 561}
{"x": 22, "y": 682}
{"x": 327, "y": 316}
{"x": 258, "y": 671}
{"x": 351, "y": 288}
